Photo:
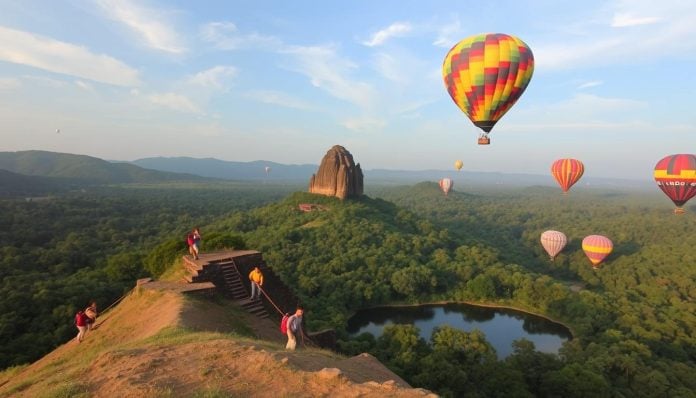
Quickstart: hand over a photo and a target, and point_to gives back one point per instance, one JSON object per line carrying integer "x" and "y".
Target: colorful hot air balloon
{"x": 676, "y": 177}
{"x": 485, "y": 75}
{"x": 446, "y": 185}
{"x": 597, "y": 248}
{"x": 553, "y": 242}
{"x": 458, "y": 165}
{"x": 567, "y": 172}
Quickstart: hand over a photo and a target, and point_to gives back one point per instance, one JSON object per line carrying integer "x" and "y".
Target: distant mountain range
{"x": 229, "y": 170}
{"x": 78, "y": 169}
{"x": 42, "y": 171}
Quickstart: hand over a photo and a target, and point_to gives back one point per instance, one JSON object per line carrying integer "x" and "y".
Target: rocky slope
{"x": 338, "y": 175}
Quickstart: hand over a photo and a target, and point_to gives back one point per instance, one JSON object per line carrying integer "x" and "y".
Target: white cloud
{"x": 147, "y": 23}
{"x": 9, "y": 83}
{"x": 329, "y": 72}
{"x": 364, "y": 123}
{"x": 593, "y": 83}
{"x": 448, "y": 35}
{"x": 598, "y": 44}
{"x": 214, "y": 77}
{"x": 278, "y": 98}
{"x": 84, "y": 85}
{"x": 175, "y": 101}
{"x": 226, "y": 36}
{"x": 390, "y": 67}
{"x": 60, "y": 57}
{"x": 625, "y": 20}
{"x": 397, "y": 29}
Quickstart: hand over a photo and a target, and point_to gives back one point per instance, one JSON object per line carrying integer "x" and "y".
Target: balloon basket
{"x": 484, "y": 141}
{"x": 679, "y": 210}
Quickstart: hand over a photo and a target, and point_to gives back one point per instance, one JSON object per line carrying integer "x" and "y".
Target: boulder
{"x": 338, "y": 175}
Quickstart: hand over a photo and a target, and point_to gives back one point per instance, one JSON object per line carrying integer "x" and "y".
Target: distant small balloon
{"x": 446, "y": 185}
{"x": 553, "y": 242}
{"x": 675, "y": 175}
{"x": 567, "y": 172}
{"x": 268, "y": 170}
{"x": 458, "y": 164}
{"x": 597, "y": 248}
{"x": 57, "y": 131}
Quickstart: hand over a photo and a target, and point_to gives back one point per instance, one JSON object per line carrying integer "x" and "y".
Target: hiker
{"x": 91, "y": 313}
{"x": 256, "y": 278}
{"x": 191, "y": 245}
{"x": 81, "y": 323}
{"x": 294, "y": 326}
{"x": 197, "y": 241}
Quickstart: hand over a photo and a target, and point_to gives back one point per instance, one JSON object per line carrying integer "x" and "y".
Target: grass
{"x": 66, "y": 390}
{"x": 175, "y": 272}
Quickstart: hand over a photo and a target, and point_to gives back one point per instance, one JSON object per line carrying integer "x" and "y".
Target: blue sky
{"x": 285, "y": 80}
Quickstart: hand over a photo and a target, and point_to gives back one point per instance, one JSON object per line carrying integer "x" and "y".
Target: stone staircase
{"x": 235, "y": 287}
{"x": 225, "y": 274}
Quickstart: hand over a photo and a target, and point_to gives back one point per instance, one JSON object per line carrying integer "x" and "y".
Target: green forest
{"x": 634, "y": 319}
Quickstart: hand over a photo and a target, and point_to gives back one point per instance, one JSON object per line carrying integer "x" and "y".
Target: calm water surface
{"x": 501, "y": 326}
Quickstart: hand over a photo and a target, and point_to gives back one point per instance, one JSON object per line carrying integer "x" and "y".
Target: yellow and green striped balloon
{"x": 486, "y": 74}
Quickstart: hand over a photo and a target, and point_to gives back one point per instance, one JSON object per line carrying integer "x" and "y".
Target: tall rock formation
{"x": 338, "y": 175}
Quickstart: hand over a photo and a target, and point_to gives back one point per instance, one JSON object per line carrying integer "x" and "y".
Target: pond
{"x": 501, "y": 325}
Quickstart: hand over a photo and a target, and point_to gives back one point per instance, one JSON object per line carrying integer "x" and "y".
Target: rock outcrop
{"x": 338, "y": 175}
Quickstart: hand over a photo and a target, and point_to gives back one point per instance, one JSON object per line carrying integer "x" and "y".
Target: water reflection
{"x": 501, "y": 326}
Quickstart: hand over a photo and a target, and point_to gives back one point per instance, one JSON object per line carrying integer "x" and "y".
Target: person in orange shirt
{"x": 256, "y": 278}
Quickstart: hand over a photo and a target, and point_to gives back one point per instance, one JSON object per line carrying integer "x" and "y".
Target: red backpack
{"x": 80, "y": 318}
{"x": 284, "y": 324}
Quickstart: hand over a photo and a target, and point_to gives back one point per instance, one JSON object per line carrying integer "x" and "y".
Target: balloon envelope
{"x": 458, "y": 164}
{"x": 553, "y": 242}
{"x": 676, "y": 177}
{"x": 597, "y": 248}
{"x": 446, "y": 185}
{"x": 486, "y": 74}
{"x": 567, "y": 172}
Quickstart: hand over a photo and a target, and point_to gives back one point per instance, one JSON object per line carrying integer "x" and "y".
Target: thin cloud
{"x": 175, "y": 101}
{"x": 214, "y": 77}
{"x": 84, "y": 85}
{"x": 448, "y": 35}
{"x": 364, "y": 124}
{"x": 226, "y": 36}
{"x": 397, "y": 29}
{"x": 278, "y": 98}
{"x": 589, "y": 84}
{"x": 145, "y": 22}
{"x": 625, "y": 20}
{"x": 45, "y": 53}
{"x": 329, "y": 72}
{"x": 9, "y": 83}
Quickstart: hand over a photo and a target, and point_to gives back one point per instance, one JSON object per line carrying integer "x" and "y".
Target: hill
{"x": 14, "y": 184}
{"x": 255, "y": 170}
{"x": 229, "y": 170}
{"x": 83, "y": 169}
{"x": 159, "y": 342}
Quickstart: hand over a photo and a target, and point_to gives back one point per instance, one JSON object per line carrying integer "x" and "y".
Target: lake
{"x": 500, "y": 325}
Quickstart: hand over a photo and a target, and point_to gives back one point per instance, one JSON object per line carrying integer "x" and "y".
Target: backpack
{"x": 284, "y": 324}
{"x": 79, "y": 317}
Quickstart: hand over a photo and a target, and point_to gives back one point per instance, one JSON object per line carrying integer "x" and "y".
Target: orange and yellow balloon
{"x": 458, "y": 165}
{"x": 486, "y": 74}
{"x": 597, "y": 248}
{"x": 567, "y": 172}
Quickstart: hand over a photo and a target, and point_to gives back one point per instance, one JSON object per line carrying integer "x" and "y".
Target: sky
{"x": 283, "y": 81}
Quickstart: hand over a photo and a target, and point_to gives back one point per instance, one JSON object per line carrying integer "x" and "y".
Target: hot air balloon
{"x": 567, "y": 172}
{"x": 676, "y": 177}
{"x": 446, "y": 185}
{"x": 485, "y": 75}
{"x": 268, "y": 170}
{"x": 553, "y": 242}
{"x": 597, "y": 248}
{"x": 458, "y": 165}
